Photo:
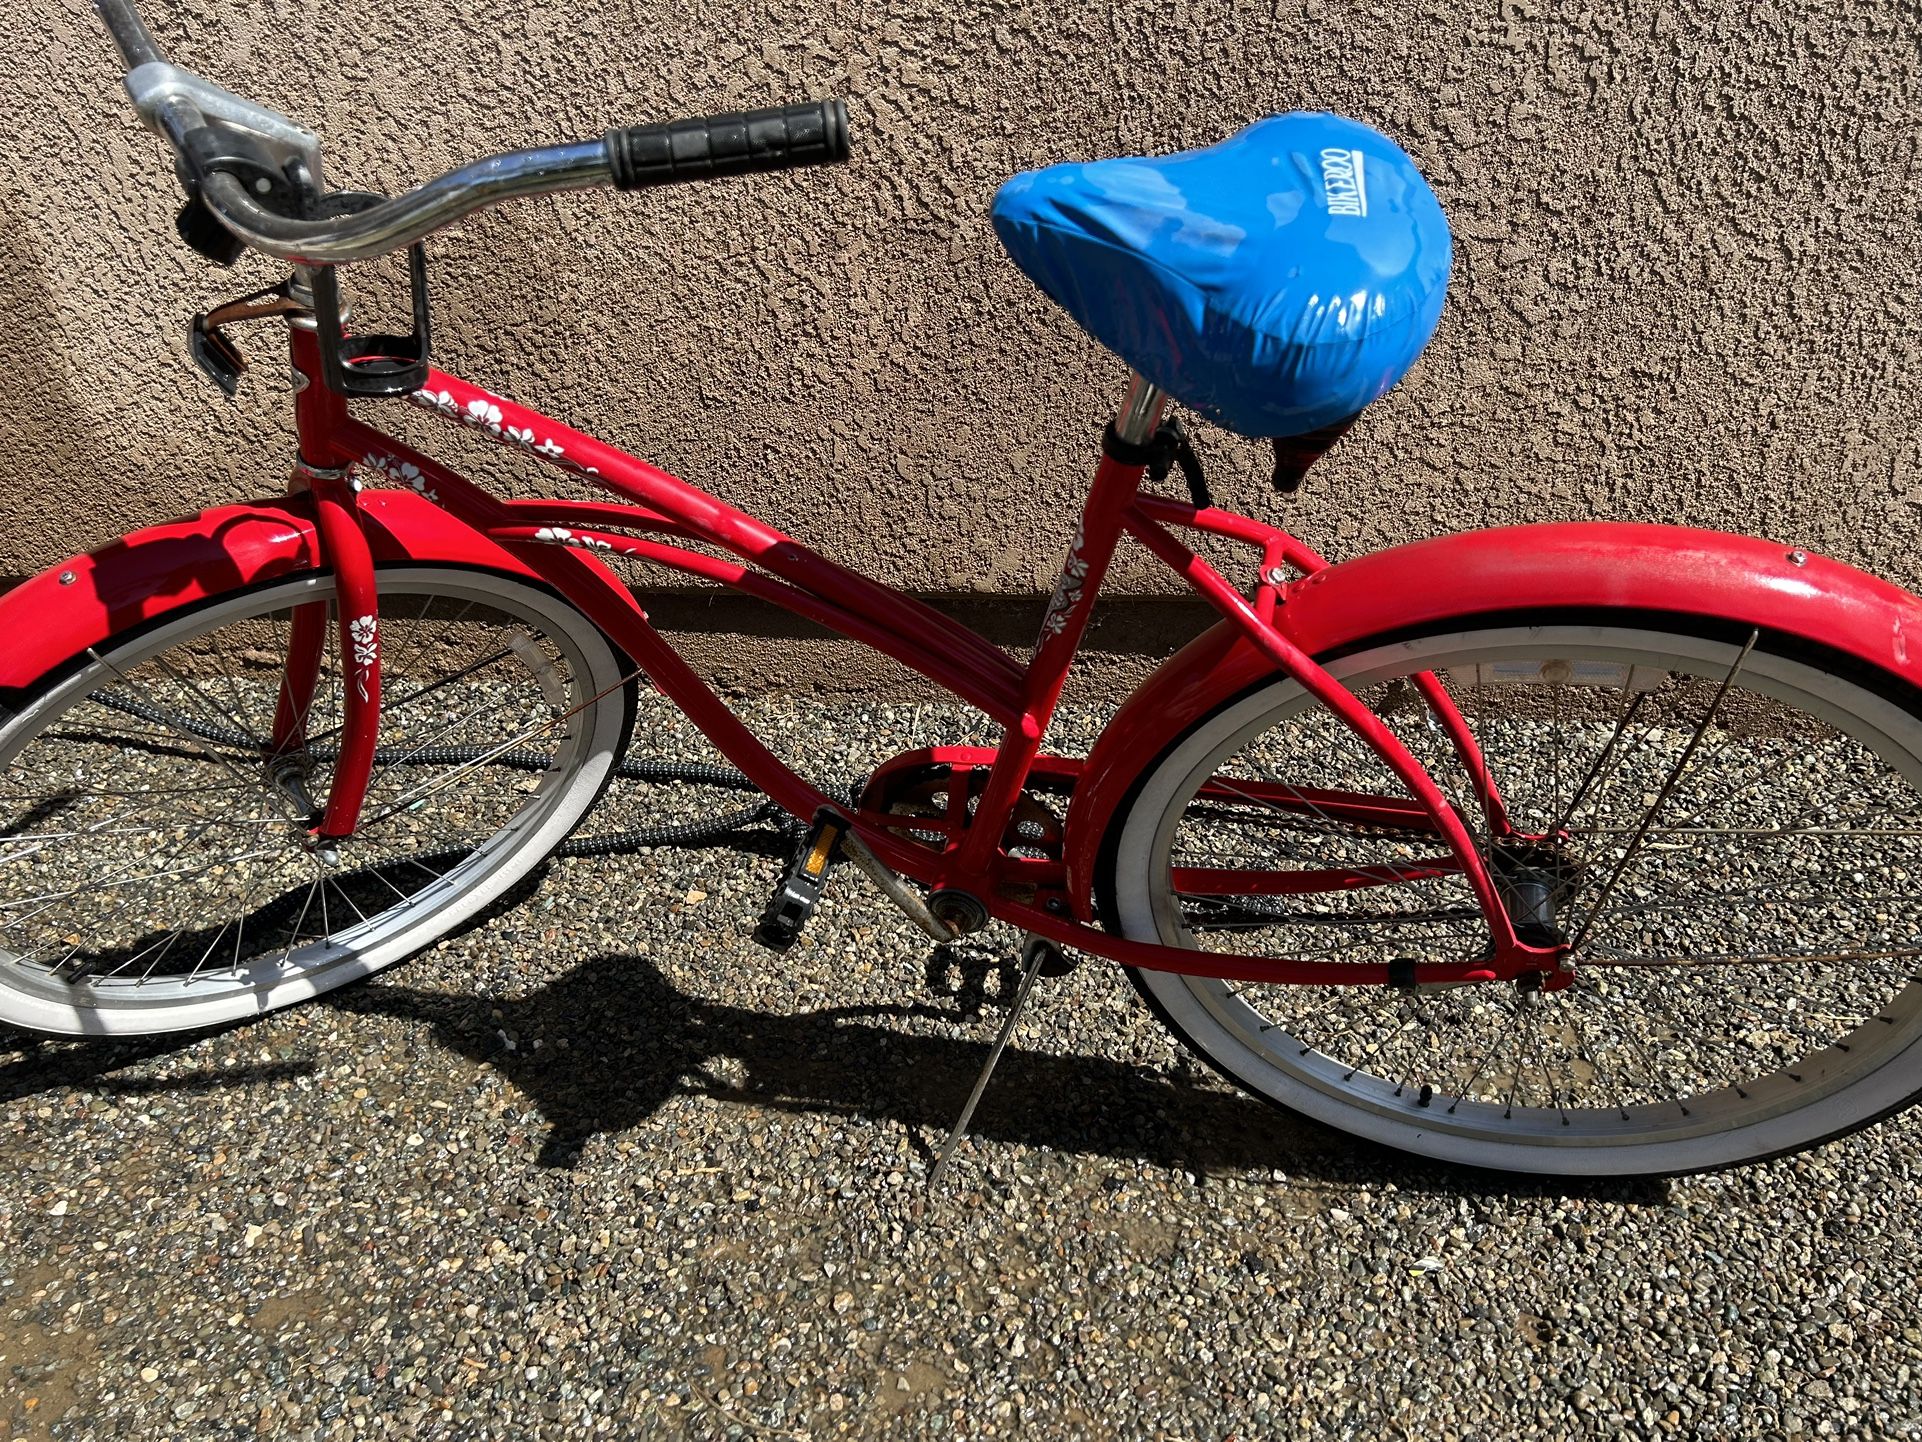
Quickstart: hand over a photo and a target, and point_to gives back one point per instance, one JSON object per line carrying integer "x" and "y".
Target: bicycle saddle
{"x": 1276, "y": 282}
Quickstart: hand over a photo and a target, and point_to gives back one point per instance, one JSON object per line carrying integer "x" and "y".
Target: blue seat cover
{"x": 1276, "y": 282}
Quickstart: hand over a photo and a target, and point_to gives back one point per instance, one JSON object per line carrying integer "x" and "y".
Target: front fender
{"x": 83, "y": 600}
{"x": 1673, "y": 569}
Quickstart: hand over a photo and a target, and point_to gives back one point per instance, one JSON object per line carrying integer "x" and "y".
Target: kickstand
{"x": 1036, "y": 954}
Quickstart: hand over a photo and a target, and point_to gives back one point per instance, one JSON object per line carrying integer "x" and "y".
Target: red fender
{"x": 1649, "y": 568}
{"x": 51, "y": 618}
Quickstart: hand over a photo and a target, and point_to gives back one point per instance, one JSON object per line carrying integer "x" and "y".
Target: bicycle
{"x": 1566, "y": 849}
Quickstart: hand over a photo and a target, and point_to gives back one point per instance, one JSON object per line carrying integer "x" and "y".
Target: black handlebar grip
{"x": 775, "y": 139}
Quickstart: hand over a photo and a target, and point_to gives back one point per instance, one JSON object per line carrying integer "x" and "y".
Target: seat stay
{"x": 1279, "y": 549}
{"x": 1348, "y": 709}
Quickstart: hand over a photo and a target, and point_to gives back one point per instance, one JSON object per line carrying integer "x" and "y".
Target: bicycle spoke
{"x": 447, "y": 779}
{"x": 1632, "y": 703}
{"x": 1464, "y": 1093}
{"x": 394, "y": 708}
{"x": 206, "y": 701}
{"x": 1661, "y": 797}
{"x": 427, "y": 743}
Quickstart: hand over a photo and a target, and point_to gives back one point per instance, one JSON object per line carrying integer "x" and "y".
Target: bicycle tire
{"x": 1384, "y": 1064}
{"x": 155, "y": 880}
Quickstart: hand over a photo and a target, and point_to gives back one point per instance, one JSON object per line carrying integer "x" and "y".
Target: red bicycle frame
{"x": 660, "y": 518}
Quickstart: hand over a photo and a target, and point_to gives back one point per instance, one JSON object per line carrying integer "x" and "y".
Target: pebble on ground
{"x": 599, "y": 1166}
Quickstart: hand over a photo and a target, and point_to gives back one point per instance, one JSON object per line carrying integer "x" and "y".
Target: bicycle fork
{"x": 357, "y": 634}
{"x": 343, "y": 548}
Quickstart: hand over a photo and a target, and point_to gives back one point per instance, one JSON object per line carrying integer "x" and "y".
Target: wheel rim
{"x": 152, "y": 864}
{"x": 1651, "y": 1059}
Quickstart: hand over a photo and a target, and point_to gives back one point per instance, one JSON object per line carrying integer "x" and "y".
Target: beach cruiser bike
{"x": 1565, "y": 849}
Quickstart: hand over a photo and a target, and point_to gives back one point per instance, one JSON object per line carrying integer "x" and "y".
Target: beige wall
{"x": 1689, "y": 241}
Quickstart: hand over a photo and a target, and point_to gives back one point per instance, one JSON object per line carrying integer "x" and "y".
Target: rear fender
{"x": 1672, "y": 569}
{"x": 83, "y": 600}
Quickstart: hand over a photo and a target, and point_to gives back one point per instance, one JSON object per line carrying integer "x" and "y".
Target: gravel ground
{"x": 600, "y": 1166}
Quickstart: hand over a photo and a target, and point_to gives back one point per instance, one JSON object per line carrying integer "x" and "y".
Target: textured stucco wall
{"x": 1689, "y": 240}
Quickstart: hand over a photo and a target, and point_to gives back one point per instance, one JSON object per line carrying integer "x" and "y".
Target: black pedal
{"x": 217, "y": 356}
{"x": 799, "y": 891}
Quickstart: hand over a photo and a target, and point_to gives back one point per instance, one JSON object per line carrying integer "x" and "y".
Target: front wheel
{"x": 157, "y": 871}
{"x": 1739, "y": 859}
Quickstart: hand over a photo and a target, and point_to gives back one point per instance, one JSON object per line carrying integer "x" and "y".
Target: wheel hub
{"x": 1536, "y": 878}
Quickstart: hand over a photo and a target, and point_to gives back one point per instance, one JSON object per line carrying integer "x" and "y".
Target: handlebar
{"x": 129, "y": 32}
{"x": 406, "y": 218}
{"x": 182, "y": 106}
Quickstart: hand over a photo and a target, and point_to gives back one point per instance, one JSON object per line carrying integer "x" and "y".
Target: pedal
{"x": 217, "y": 356}
{"x": 799, "y": 890}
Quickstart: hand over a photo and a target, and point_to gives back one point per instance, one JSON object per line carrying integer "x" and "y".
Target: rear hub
{"x": 1537, "y": 877}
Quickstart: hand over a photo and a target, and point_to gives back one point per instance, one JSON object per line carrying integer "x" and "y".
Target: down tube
{"x": 607, "y": 604}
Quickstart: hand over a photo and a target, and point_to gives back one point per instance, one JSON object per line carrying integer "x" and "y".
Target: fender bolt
{"x": 67, "y": 578}
{"x": 1798, "y": 558}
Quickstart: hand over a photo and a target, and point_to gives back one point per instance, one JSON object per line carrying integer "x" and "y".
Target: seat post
{"x": 1140, "y": 410}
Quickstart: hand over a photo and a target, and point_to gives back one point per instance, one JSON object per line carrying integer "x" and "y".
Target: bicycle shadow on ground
{"x": 56, "y": 1063}
{"x": 633, "y": 1041}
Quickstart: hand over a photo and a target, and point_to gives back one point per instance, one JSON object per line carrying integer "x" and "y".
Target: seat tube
{"x": 1066, "y": 619}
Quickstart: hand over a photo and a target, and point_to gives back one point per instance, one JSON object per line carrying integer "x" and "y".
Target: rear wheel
{"x": 156, "y": 868}
{"x": 1741, "y": 869}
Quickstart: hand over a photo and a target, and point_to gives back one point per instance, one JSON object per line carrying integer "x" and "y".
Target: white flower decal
{"x": 567, "y": 538}
{"x": 399, "y": 473}
{"x": 1067, "y": 591}
{"x": 364, "y": 633}
{"x": 485, "y": 415}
